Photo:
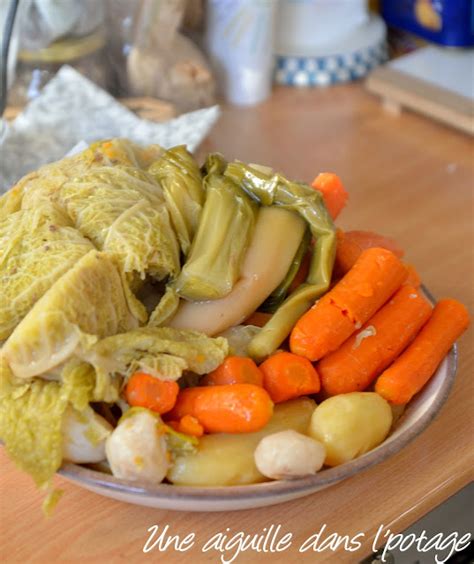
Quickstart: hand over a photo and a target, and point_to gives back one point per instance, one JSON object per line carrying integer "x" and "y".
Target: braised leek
{"x": 224, "y": 233}
{"x": 180, "y": 178}
{"x": 277, "y": 236}
{"x": 276, "y": 298}
{"x": 274, "y": 190}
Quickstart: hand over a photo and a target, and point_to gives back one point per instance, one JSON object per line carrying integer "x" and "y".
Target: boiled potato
{"x": 226, "y": 460}
{"x": 350, "y": 424}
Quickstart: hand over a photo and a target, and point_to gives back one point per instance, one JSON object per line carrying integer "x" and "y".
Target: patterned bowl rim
{"x": 379, "y": 49}
{"x": 274, "y": 489}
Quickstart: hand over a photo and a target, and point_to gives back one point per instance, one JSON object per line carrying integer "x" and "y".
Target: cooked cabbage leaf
{"x": 86, "y": 303}
{"x": 49, "y": 178}
{"x": 111, "y": 152}
{"x": 11, "y": 201}
{"x": 31, "y": 418}
{"x": 165, "y": 309}
{"x": 124, "y": 213}
{"x": 163, "y": 366}
{"x": 77, "y": 383}
{"x": 161, "y": 351}
{"x": 30, "y": 427}
{"x": 113, "y": 202}
{"x": 37, "y": 246}
{"x": 180, "y": 178}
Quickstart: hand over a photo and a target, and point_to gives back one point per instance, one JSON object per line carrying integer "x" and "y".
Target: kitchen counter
{"x": 408, "y": 178}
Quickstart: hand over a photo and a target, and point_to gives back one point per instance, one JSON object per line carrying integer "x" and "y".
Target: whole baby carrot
{"x": 354, "y": 366}
{"x": 351, "y": 244}
{"x": 144, "y": 390}
{"x": 413, "y": 368}
{"x": 333, "y": 191}
{"x": 375, "y": 276}
{"x": 234, "y": 408}
{"x": 287, "y": 376}
{"x": 234, "y": 370}
{"x": 413, "y": 278}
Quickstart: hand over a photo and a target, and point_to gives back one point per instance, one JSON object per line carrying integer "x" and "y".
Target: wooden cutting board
{"x": 436, "y": 82}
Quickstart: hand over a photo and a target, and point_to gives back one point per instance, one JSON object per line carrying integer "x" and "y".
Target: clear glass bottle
{"x": 52, "y": 34}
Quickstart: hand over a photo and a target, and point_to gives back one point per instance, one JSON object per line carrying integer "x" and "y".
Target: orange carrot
{"x": 413, "y": 278}
{"x": 413, "y": 368}
{"x": 235, "y": 408}
{"x": 144, "y": 390}
{"x": 173, "y": 424}
{"x": 321, "y": 330}
{"x": 189, "y": 425}
{"x": 375, "y": 276}
{"x": 333, "y": 191}
{"x": 350, "y": 245}
{"x": 355, "y": 365}
{"x": 258, "y": 318}
{"x": 234, "y": 370}
{"x": 287, "y": 376}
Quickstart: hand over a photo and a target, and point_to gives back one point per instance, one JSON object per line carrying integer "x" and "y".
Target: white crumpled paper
{"x": 71, "y": 108}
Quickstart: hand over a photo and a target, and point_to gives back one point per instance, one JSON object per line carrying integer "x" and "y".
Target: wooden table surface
{"x": 409, "y": 178}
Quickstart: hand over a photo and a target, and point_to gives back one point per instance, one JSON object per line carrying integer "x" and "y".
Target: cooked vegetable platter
{"x": 166, "y": 322}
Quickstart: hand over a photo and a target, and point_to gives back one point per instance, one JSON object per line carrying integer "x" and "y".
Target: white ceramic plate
{"x": 419, "y": 414}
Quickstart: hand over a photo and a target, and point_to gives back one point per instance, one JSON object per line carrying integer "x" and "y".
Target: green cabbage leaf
{"x": 37, "y": 246}
{"x": 163, "y": 352}
{"x": 166, "y": 308}
{"x": 31, "y": 417}
{"x": 87, "y": 303}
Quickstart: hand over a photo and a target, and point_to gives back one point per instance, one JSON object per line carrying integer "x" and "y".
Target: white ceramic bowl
{"x": 419, "y": 413}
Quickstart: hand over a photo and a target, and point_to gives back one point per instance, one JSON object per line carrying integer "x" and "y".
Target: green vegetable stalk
{"x": 273, "y": 189}
{"x": 276, "y": 298}
{"x": 215, "y": 164}
{"x": 224, "y": 233}
{"x": 180, "y": 178}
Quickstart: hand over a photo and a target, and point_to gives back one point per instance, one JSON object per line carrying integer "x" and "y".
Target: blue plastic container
{"x": 446, "y": 22}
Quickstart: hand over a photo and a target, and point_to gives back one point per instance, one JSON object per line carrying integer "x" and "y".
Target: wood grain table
{"x": 409, "y": 178}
